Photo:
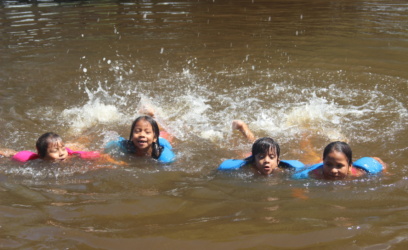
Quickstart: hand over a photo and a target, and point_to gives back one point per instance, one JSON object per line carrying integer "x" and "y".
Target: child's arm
{"x": 309, "y": 155}
{"x": 7, "y": 152}
{"x": 243, "y": 128}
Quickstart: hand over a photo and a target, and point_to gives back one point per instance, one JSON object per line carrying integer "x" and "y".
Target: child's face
{"x": 143, "y": 135}
{"x": 56, "y": 152}
{"x": 267, "y": 162}
{"x": 335, "y": 166}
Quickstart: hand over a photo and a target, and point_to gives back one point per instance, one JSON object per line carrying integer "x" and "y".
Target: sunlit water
{"x": 293, "y": 70}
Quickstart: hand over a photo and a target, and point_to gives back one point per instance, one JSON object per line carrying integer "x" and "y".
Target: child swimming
{"x": 144, "y": 141}
{"x": 265, "y": 158}
{"x": 50, "y": 147}
{"x": 337, "y": 164}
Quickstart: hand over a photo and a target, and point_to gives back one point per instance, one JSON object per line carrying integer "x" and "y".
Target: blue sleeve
{"x": 167, "y": 155}
{"x": 232, "y": 164}
{"x": 294, "y": 164}
{"x": 165, "y": 143}
{"x": 369, "y": 165}
{"x": 304, "y": 174}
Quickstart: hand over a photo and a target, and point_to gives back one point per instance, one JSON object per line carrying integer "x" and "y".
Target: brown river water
{"x": 296, "y": 70}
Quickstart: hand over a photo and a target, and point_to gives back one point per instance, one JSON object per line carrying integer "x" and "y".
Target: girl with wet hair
{"x": 51, "y": 147}
{"x": 338, "y": 164}
{"x": 50, "y": 140}
{"x": 144, "y": 141}
{"x": 156, "y": 149}
{"x": 265, "y": 158}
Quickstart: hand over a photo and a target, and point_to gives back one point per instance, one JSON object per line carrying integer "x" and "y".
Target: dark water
{"x": 321, "y": 70}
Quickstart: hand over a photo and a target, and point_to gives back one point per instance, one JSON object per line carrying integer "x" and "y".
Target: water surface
{"x": 293, "y": 70}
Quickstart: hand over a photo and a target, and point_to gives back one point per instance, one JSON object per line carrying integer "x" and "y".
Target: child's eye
{"x": 261, "y": 156}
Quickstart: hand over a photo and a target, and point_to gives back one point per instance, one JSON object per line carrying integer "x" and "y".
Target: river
{"x": 294, "y": 70}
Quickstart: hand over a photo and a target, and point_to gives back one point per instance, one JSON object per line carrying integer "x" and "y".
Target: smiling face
{"x": 335, "y": 165}
{"x": 267, "y": 162}
{"x": 143, "y": 137}
{"x": 56, "y": 152}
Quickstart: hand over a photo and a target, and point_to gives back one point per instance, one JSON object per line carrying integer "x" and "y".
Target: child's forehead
{"x": 55, "y": 143}
{"x": 143, "y": 123}
{"x": 268, "y": 150}
{"x": 335, "y": 154}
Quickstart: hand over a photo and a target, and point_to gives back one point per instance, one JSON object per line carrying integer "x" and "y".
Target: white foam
{"x": 91, "y": 113}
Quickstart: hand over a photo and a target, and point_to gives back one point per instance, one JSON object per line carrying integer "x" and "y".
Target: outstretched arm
{"x": 309, "y": 154}
{"x": 243, "y": 128}
{"x": 7, "y": 152}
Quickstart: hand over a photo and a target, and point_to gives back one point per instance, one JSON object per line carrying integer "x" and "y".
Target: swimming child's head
{"x": 144, "y": 135}
{"x": 51, "y": 147}
{"x": 337, "y": 160}
{"x": 265, "y": 155}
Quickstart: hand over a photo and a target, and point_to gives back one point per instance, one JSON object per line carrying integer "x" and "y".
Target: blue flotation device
{"x": 368, "y": 164}
{"x": 166, "y": 156}
{"x": 304, "y": 174}
{"x": 233, "y": 164}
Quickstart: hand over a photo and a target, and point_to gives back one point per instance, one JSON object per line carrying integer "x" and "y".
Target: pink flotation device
{"x": 24, "y": 156}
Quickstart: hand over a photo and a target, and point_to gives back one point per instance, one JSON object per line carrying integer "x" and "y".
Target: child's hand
{"x": 238, "y": 124}
{"x": 147, "y": 110}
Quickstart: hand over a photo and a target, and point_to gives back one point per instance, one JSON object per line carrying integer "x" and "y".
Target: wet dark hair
{"x": 262, "y": 146}
{"x": 44, "y": 141}
{"x": 341, "y": 147}
{"x": 157, "y": 149}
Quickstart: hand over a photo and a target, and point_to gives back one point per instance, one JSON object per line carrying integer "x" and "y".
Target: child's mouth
{"x": 142, "y": 143}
